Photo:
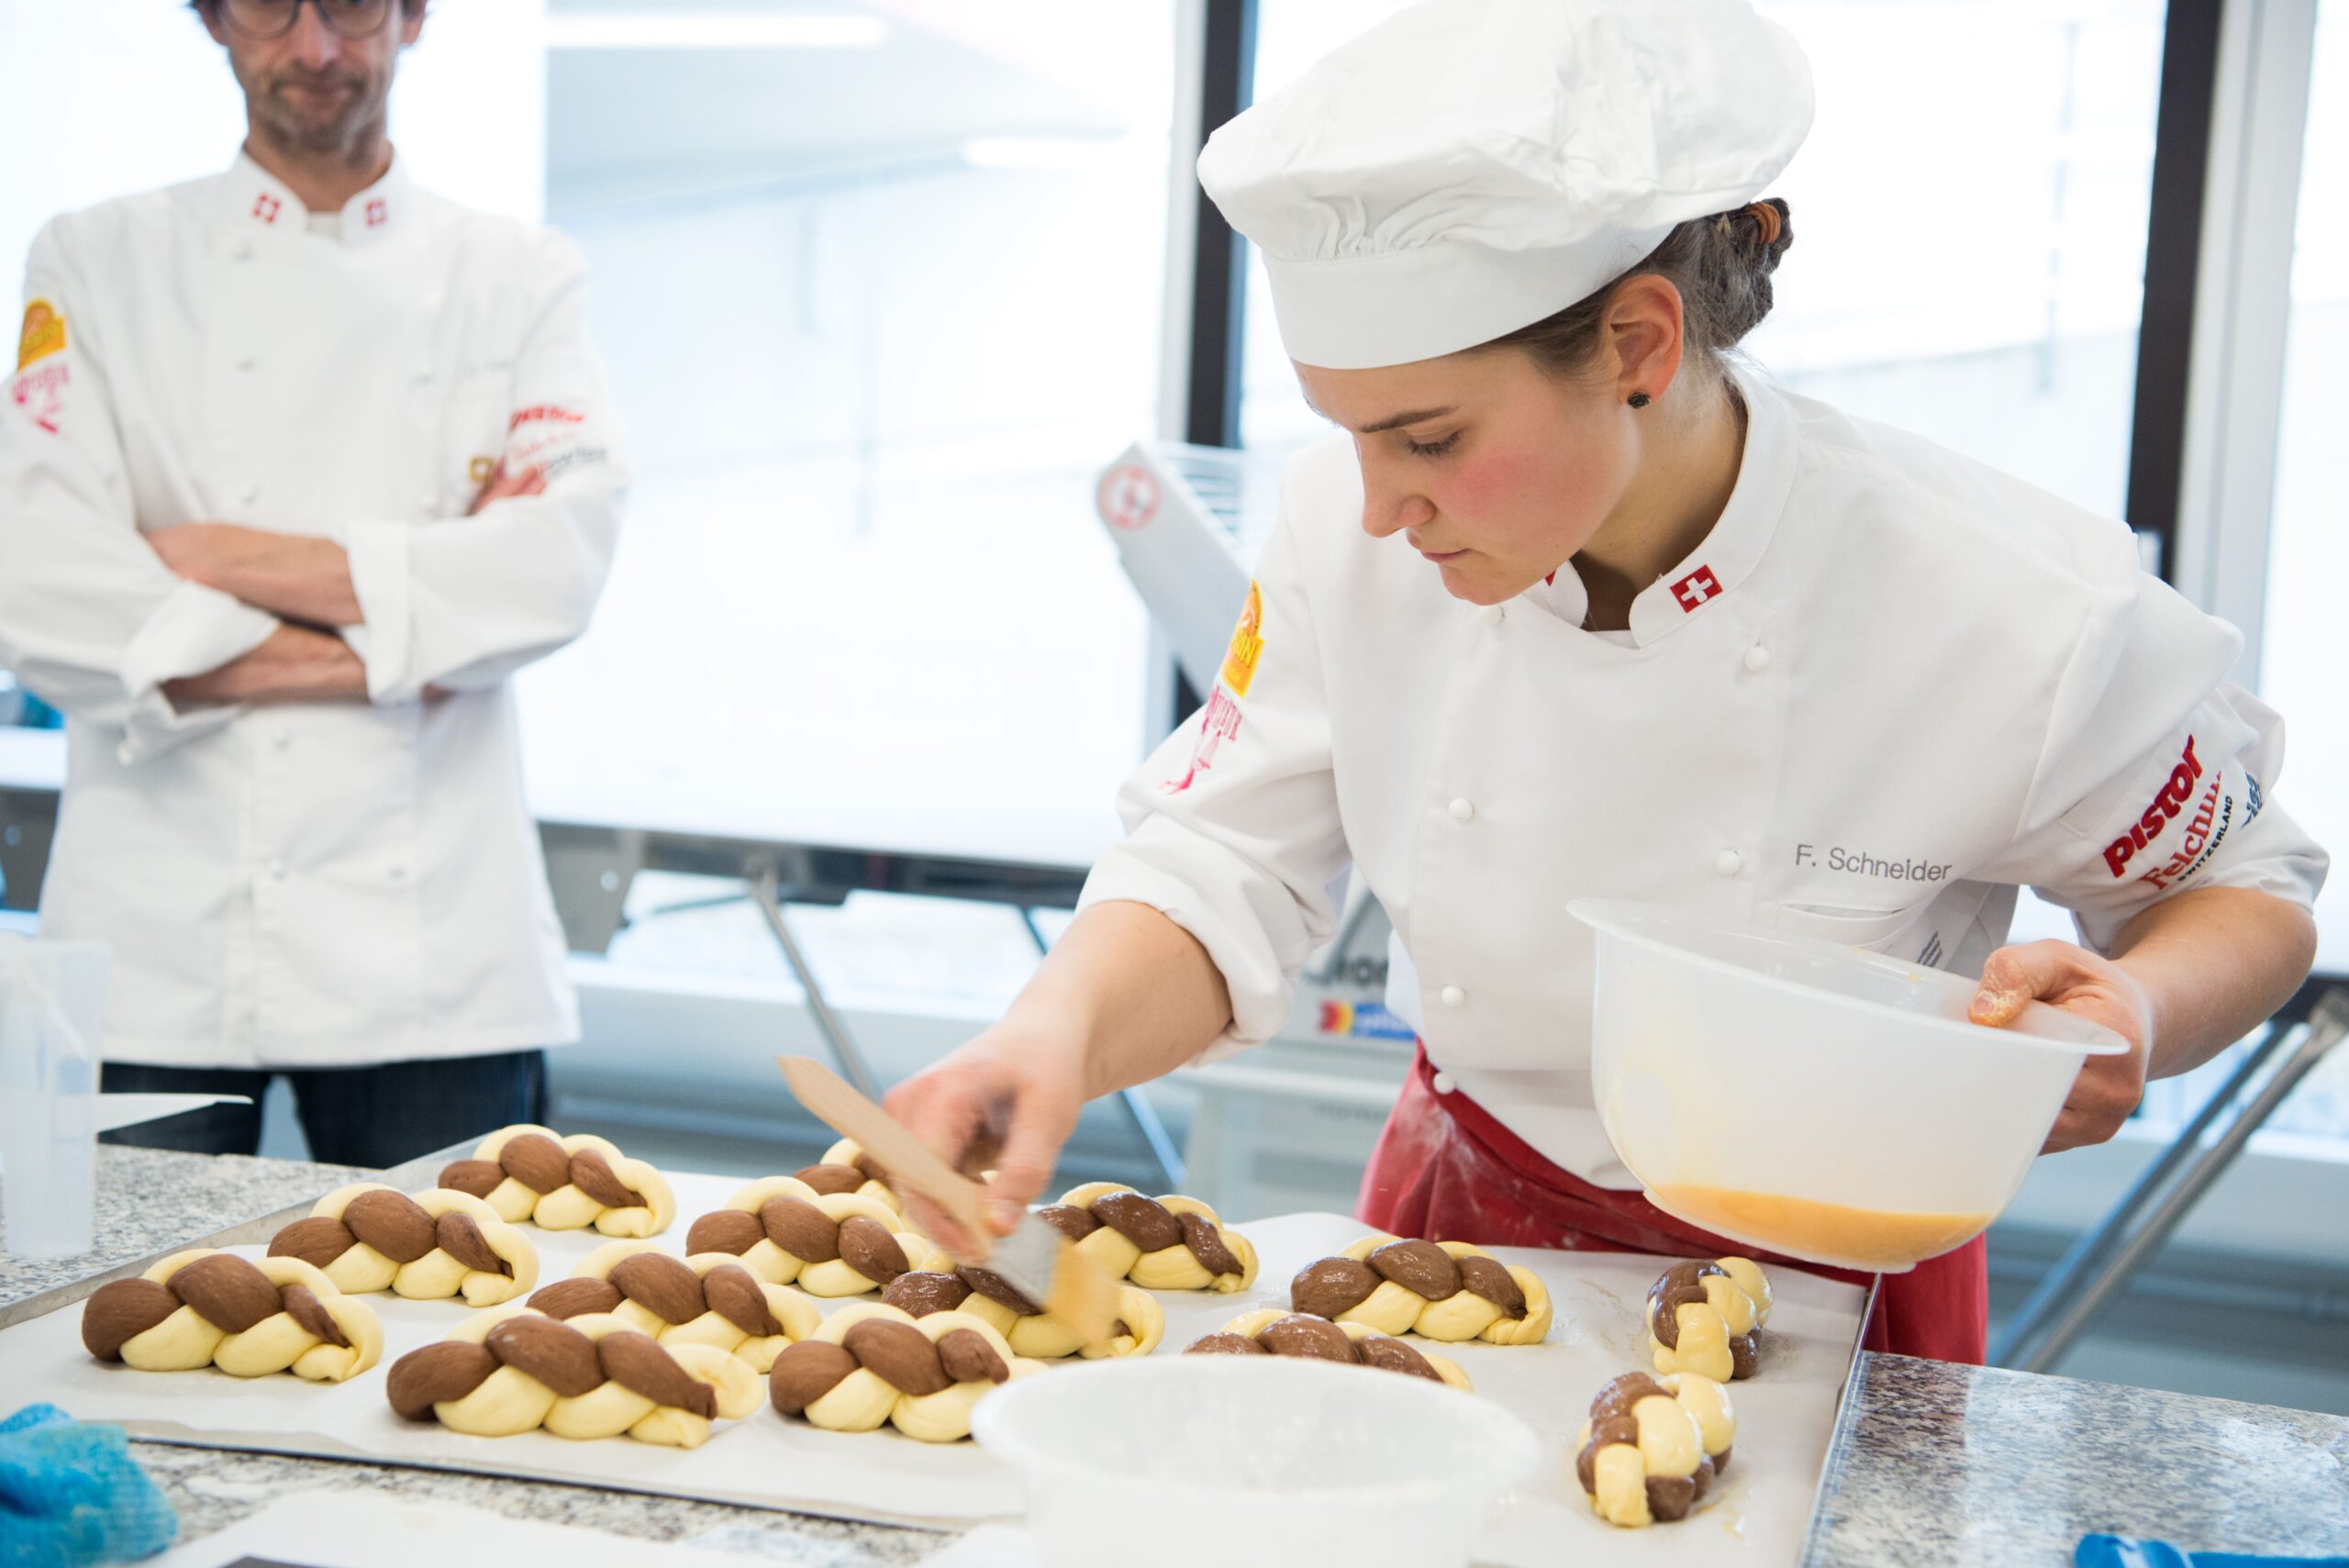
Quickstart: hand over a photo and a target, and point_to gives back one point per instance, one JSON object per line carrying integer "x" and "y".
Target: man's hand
{"x": 294, "y": 663}
{"x": 2076, "y": 980}
{"x": 504, "y": 486}
{"x": 293, "y": 575}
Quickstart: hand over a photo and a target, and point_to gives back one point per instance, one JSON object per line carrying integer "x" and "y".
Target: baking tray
{"x": 1759, "y": 1515}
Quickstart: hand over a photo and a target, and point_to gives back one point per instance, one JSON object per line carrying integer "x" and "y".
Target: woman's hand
{"x": 2078, "y": 981}
{"x": 1010, "y": 1098}
{"x": 1008, "y": 1101}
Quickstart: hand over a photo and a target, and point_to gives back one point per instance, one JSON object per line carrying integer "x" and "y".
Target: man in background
{"x": 299, "y": 464}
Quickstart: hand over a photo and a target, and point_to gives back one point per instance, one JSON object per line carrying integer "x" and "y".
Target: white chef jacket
{"x": 1890, "y": 685}
{"x": 306, "y": 884}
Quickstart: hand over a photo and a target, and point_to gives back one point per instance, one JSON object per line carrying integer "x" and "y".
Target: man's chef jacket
{"x": 304, "y": 884}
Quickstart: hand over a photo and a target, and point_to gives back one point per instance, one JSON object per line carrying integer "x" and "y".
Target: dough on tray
{"x": 427, "y": 1246}
{"x": 939, "y": 1287}
{"x": 786, "y": 1232}
{"x": 512, "y": 1370}
{"x": 1160, "y": 1243}
{"x": 1275, "y": 1332}
{"x": 1707, "y": 1317}
{"x": 871, "y": 1363}
{"x": 203, "y": 1307}
{"x": 707, "y": 1299}
{"x": 1653, "y": 1446}
{"x": 1438, "y": 1290}
{"x": 847, "y": 1168}
{"x": 534, "y": 1174}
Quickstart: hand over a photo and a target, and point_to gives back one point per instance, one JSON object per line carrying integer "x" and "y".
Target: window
{"x": 1967, "y": 262}
{"x": 880, "y": 292}
{"x": 2306, "y": 642}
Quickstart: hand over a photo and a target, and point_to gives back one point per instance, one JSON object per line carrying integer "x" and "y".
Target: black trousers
{"x": 372, "y": 1117}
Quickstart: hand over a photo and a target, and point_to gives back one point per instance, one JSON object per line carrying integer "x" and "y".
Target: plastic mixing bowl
{"x": 1173, "y": 1460}
{"x": 1816, "y": 1100}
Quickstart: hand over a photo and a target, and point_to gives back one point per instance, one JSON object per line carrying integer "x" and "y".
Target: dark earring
{"x": 1641, "y": 400}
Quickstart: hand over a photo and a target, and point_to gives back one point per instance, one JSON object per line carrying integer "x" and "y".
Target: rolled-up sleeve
{"x": 464, "y": 603}
{"x": 1232, "y": 826}
{"x": 91, "y": 619}
{"x": 2157, "y": 776}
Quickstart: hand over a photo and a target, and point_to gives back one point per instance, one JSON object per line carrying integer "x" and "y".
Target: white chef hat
{"x": 1469, "y": 167}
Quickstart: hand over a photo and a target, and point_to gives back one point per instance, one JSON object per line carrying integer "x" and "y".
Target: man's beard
{"x": 305, "y": 125}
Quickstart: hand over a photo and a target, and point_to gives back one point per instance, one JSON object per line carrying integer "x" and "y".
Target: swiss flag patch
{"x": 265, "y": 208}
{"x": 1696, "y": 587}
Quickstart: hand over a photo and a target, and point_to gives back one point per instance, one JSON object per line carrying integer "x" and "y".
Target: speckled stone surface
{"x": 148, "y": 1199}
{"x": 1936, "y": 1464}
{"x": 213, "y": 1489}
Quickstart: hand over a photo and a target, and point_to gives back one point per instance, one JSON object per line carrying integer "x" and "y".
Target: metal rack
{"x": 2100, "y": 1265}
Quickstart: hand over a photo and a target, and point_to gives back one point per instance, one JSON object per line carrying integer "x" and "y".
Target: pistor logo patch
{"x": 44, "y": 333}
{"x": 1247, "y": 645}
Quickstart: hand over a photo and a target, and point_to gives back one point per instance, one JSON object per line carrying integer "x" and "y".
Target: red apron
{"x": 1445, "y": 1170}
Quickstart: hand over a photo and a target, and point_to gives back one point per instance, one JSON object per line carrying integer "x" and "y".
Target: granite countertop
{"x": 1936, "y": 1464}
{"x": 1932, "y": 1464}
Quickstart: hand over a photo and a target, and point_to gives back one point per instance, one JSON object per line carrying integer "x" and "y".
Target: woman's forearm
{"x": 2214, "y": 962}
{"x": 1134, "y": 990}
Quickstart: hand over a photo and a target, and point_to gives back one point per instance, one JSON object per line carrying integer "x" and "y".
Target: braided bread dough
{"x": 872, "y": 1364}
{"x": 847, "y": 1168}
{"x": 1653, "y": 1446}
{"x": 708, "y": 1299}
{"x": 436, "y": 1244}
{"x": 1271, "y": 1331}
{"x": 529, "y": 1172}
{"x": 510, "y": 1369}
{"x": 203, "y": 1307}
{"x": 938, "y": 1286}
{"x": 1704, "y": 1318}
{"x": 827, "y": 1243}
{"x": 1164, "y": 1243}
{"x": 1438, "y": 1290}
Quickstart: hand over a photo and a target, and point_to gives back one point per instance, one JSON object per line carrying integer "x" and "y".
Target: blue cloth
{"x": 70, "y": 1494}
{"x": 2120, "y": 1552}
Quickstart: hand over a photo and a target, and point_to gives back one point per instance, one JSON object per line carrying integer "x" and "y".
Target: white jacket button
{"x": 1729, "y": 862}
{"x": 1757, "y": 659}
{"x": 277, "y": 870}
{"x": 1462, "y": 809}
{"x": 1453, "y": 996}
{"x": 1444, "y": 1083}
{"x": 281, "y": 739}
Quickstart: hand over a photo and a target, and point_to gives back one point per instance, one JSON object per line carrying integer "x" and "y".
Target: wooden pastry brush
{"x": 1035, "y": 1260}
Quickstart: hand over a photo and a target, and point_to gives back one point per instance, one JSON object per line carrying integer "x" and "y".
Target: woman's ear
{"x": 1643, "y": 328}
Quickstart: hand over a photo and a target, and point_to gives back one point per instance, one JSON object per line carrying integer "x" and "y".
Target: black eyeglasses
{"x": 275, "y": 19}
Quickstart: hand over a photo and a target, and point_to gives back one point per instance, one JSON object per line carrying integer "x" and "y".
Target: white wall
{"x": 105, "y": 97}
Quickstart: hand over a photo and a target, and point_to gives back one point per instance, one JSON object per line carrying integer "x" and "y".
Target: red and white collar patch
{"x": 1693, "y": 590}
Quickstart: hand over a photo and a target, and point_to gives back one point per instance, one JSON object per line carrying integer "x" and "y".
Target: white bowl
{"x": 1175, "y": 1460}
{"x": 1816, "y": 1100}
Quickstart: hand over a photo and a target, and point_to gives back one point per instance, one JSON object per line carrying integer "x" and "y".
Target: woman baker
{"x": 1583, "y": 605}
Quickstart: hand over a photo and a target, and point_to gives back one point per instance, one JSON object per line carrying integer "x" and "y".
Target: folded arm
{"x": 91, "y": 619}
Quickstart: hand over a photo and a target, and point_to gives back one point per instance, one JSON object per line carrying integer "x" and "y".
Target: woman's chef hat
{"x": 1469, "y": 167}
